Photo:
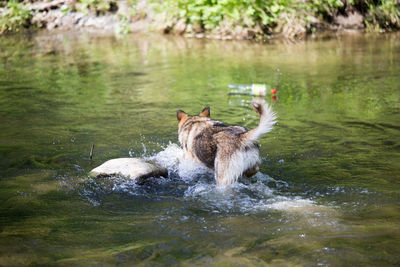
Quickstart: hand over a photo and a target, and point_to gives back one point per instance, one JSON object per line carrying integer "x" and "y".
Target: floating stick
{"x": 91, "y": 152}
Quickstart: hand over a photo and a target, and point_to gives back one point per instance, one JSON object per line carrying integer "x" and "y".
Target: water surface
{"x": 328, "y": 193}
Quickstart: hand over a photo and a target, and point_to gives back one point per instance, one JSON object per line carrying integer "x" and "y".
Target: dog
{"x": 231, "y": 151}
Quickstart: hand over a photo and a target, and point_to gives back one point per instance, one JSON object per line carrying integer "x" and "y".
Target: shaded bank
{"x": 213, "y": 19}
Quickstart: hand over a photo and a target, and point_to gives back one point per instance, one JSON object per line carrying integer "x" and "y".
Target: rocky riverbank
{"x": 128, "y": 16}
{"x": 69, "y": 15}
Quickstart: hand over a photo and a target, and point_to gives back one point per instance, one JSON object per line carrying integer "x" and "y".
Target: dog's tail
{"x": 267, "y": 121}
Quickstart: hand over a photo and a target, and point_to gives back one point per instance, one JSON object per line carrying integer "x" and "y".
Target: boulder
{"x": 133, "y": 168}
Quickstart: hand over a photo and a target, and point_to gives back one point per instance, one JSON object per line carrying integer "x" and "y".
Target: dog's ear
{"x": 205, "y": 112}
{"x": 180, "y": 114}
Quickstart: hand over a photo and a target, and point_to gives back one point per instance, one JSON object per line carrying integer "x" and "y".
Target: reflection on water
{"x": 328, "y": 192}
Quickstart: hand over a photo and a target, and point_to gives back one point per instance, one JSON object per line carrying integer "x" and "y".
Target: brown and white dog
{"x": 232, "y": 151}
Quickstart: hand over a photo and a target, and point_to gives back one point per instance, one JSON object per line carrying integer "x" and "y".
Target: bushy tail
{"x": 267, "y": 120}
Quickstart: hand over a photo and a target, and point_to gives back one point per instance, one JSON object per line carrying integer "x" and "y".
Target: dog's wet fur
{"x": 232, "y": 151}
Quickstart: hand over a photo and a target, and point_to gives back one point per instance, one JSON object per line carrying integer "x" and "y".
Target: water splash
{"x": 249, "y": 199}
{"x": 172, "y": 158}
{"x": 261, "y": 194}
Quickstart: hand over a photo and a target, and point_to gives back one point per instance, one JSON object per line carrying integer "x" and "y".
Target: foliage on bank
{"x": 235, "y": 18}
{"x": 290, "y": 17}
{"x": 14, "y": 16}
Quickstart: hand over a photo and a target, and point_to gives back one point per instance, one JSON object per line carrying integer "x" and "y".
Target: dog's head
{"x": 183, "y": 116}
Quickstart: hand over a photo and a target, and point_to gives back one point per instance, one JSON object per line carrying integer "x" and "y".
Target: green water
{"x": 328, "y": 194}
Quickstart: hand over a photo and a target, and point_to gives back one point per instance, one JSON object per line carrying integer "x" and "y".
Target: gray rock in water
{"x": 133, "y": 168}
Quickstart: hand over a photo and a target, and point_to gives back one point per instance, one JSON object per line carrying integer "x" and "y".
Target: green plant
{"x": 226, "y": 17}
{"x": 123, "y": 26}
{"x": 14, "y": 17}
{"x": 384, "y": 16}
{"x": 325, "y": 8}
{"x": 97, "y": 6}
{"x": 210, "y": 14}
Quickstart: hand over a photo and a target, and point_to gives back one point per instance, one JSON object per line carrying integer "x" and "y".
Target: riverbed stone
{"x": 133, "y": 168}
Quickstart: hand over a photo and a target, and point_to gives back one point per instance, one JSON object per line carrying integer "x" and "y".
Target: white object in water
{"x": 255, "y": 89}
{"x": 133, "y": 168}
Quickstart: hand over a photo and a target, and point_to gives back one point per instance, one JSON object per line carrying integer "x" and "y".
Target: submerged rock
{"x": 133, "y": 168}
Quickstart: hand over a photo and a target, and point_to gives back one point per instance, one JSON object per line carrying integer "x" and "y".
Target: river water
{"x": 328, "y": 193}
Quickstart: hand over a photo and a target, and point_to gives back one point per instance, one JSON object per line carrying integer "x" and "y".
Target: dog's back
{"x": 230, "y": 150}
{"x": 200, "y": 138}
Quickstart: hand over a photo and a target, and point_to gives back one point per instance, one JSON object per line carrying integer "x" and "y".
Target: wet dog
{"x": 232, "y": 151}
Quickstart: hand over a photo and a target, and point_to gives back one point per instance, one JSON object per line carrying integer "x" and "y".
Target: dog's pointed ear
{"x": 205, "y": 112}
{"x": 180, "y": 114}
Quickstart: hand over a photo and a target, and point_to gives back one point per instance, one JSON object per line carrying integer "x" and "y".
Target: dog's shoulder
{"x": 231, "y": 131}
{"x": 206, "y": 129}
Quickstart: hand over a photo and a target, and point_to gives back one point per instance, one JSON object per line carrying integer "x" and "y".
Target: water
{"x": 328, "y": 193}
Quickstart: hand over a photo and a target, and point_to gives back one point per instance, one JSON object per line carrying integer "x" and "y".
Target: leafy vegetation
{"x": 270, "y": 15}
{"x": 14, "y": 16}
{"x": 212, "y": 13}
{"x": 246, "y": 18}
{"x": 97, "y": 6}
{"x": 383, "y": 17}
